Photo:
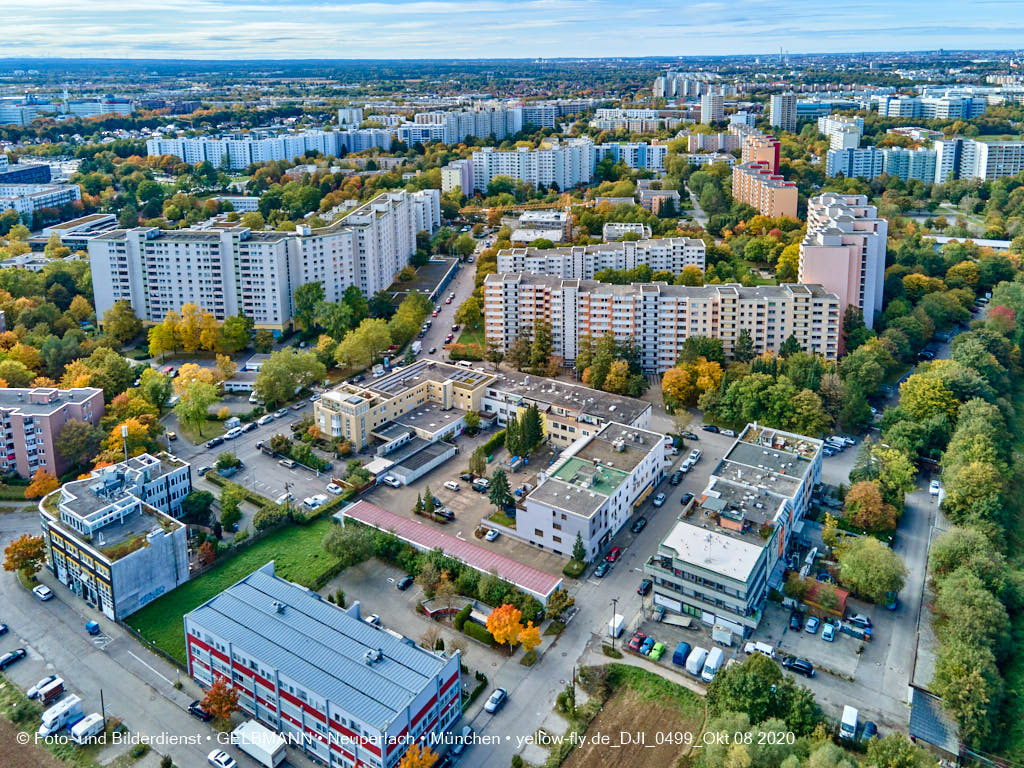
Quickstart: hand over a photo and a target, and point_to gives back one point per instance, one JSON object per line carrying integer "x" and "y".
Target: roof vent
{"x": 278, "y": 606}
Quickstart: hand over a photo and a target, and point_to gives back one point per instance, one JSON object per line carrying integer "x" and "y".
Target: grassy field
{"x": 473, "y": 336}
{"x": 211, "y": 428}
{"x": 297, "y": 556}
{"x": 643, "y": 703}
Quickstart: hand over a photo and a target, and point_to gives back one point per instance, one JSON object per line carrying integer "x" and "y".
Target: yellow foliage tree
{"x": 505, "y": 624}
{"x": 191, "y": 372}
{"x": 418, "y": 756}
{"x": 684, "y": 384}
{"x": 76, "y": 374}
{"x": 209, "y": 332}
{"x": 529, "y": 636}
{"x": 190, "y": 330}
{"x": 226, "y": 367}
{"x": 42, "y": 483}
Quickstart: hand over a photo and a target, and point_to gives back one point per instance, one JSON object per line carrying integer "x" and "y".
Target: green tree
{"x": 350, "y": 544}
{"x": 513, "y": 438}
{"x": 967, "y": 679}
{"x": 897, "y": 751}
{"x": 236, "y": 333}
{"x": 478, "y": 462}
{"x": 870, "y": 569}
{"x": 579, "y": 552}
{"x": 469, "y": 313}
{"x": 155, "y": 387}
{"x": 306, "y": 299}
{"x": 78, "y": 441}
{"x": 790, "y": 346}
{"x": 743, "y": 347}
{"x": 540, "y": 350}
{"x": 429, "y": 505}
{"x": 286, "y": 372}
{"x": 121, "y": 323}
{"x": 532, "y": 429}
{"x": 194, "y": 404}
{"x": 500, "y": 495}
{"x": 702, "y": 346}
{"x": 364, "y": 344}
{"x": 196, "y": 506}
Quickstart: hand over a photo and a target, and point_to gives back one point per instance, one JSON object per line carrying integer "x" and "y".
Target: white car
{"x": 659, "y": 500}
{"x": 451, "y": 485}
{"x": 695, "y": 455}
{"x": 334, "y": 488}
{"x": 221, "y": 759}
{"x": 284, "y": 498}
{"x": 373, "y": 619}
{"x": 231, "y": 434}
{"x": 43, "y": 592}
{"x": 391, "y": 481}
{"x": 491, "y": 535}
{"x": 264, "y": 420}
{"x": 934, "y": 488}
{"x": 35, "y": 689}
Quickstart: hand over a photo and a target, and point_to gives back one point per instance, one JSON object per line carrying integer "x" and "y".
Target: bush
{"x": 166, "y": 762}
{"x": 477, "y": 632}
{"x": 529, "y": 658}
{"x": 496, "y": 442}
{"x": 614, "y": 653}
{"x": 139, "y": 750}
{"x": 241, "y": 536}
{"x": 462, "y": 616}
{"x": 574, "y": 569}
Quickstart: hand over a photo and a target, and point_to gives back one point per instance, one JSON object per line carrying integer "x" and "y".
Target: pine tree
{"x": 743, "y": 348}
{"x": 513, "y": 438}
{"x": 428, "y": 502}
{"x": 578, "y": 551}
{"x": 500, "y": 494}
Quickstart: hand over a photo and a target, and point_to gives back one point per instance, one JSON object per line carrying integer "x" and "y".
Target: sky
{"x": 446, "y": 29}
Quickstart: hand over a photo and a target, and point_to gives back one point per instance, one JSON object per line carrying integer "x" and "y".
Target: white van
{"x": 848, "y": 725}
{"x": 66, "y": 712}
{"x": 712, "y": 665}
{"x": 87, "y": 729}
{"x": 695, "y": 661}
{"x": 765, "y": 649}
{"x": 464, "y": 364}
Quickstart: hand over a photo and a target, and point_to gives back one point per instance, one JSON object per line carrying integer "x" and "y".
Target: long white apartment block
{"x": 26, "y": 199}
{"x": 656, "y": 317}
{"x": 842, "y": 132}
{"x": 844, "y": 250}
{"x": 235, "y": 269}
{"x": 670, "y": 254}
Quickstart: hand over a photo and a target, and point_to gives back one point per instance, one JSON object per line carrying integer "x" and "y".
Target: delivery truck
{"x": 65, "y": 712}
{"x": 260, "y": 743}
{"x": 616, "y": 625}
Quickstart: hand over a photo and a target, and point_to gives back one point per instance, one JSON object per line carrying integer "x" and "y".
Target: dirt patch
{"x": 23, "y": 755}
{"x": 642, "y": 732}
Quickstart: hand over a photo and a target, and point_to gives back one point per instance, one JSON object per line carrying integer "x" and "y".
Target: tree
{"x": 236, "y": 333}
{"x": 966, "y": 611}
{"x": 190, "y": 331}
{"x": 472, "y": 420}
{"x": 263, "y": 341}
{"x": 196, "y": 506}
{"x": 865, "y": 508}
{"x": 418, "y": 756}
{"x": 478, "y": 462}
{"x": 686, "y": 382}
{"x": 231, "y": 496}
{"x": 193, "y": 406}
{"x": 494, "y": 353}
{"x": 702, "y": 346}
{"x": 42, "y": 483}
{"x": 743, "y": 347}
{"x": 500, "y": 495}
{"x": 967, "y": 679}
{"x": 559, "y": 602}
{"x": 78, "y": 441}
{"x": 350, "y": 544}
{"x": 617, "y": 379}
{"x": 790, "y": 346}
{"x": 870, "y": 569}
{"x": 968, "y": 547}
{"x": 465, "y": 245}
{"x": 336, "y": 319}
{"x": 519, "y": 352}
{"x": 529, "y": 637}
{"x": 121, "y": 323}
{"x": 15, "y": 373}
{"x": 155, "y": 388}
{"x": 924, "y": 396}
{"x": 305, "y": 301}
{"x": 268, "y": 516}
{"x": 531, "y": 429}
{"x": 579, "y": 552}
{"x": 897, "y": 751}
{"x": 364, "y": 344}
{"x": 221, "y": 699}
{"x": 505, "y": 624}
{"x": 26, "y": 553}
{"x": 469, "y": 313}
{"x": 540, "y": 350}
{"x": 286, "y": 372}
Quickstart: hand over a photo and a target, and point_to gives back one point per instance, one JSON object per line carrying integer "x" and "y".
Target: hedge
{"x": 477, "y": 632}
{"x": 462, "y": 616}
{"x": 497, "y": 441}
{"x": 574, "y": 568}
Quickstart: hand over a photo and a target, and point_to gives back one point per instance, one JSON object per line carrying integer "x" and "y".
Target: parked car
{"x": 710, "y": 428}
{"x": 639, "y": 524}
{"x": 35, "y": 689}
{"x": 214, "y": 442}
{"x": 462, "y": 741}
{"x": 404, "y": 583}
{"x": 728, "y": 433}
{"x": 686, "y": 466}
{"x": 43, "y": 592}
{"x": 799, "y": 666}
{"x": 657, "y": 651}
{"x": 496, "y": 701}
{"x": 686, "y": 499}
{"x": 11, "y": 657}
{"x": 265, "y": 419}
{"x": 613, "y": 554}
{"x": 870, "y": 730}
{"x": 285, "y": 498}
{"x": 373, "y": 619}
{"x": 811, "y": 627}
{"x": 221, "y": 759}
{"x": 677, "y": 478}
{"x": 648, "y": 644}
{"x": 203, "y": 470}
{"x": 287, "y": 463}
{"x": 232, "y": 433}
{"x": 828, "y": 633}
{"x": 196, "y": 710}
{"x": 636, "y": 641}
{"x": 432, "y": 350}
{"x": 645, "y": 587}
{"x": 250, "y": 426}
{"x": 602, "y": 570}
{"x": 690, "y": 435}
{"x": 334, "y": 488}
{"x": 281, "y": 413}
{"x": 451, "y": 485}
{"x": 391, "y": 481}
{"x": 860, "y": 620}
{"x": 659, "y": 500}
{"x": 695, "y": 455}
{"x": 172, "y": 435}
{"x": 796, "y": 621}
{"x": 934, "y": 488}
{"x": 491, "y": 535}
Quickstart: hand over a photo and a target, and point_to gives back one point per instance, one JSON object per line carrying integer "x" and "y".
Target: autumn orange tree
{"x": 684, "y": 384}
{"x": 26, "y": 553}
{"x": 865, "y": 507}
{"x": 529, "y": 636}
{"x": 505, "y": 624}
{"x": 207, "y": 553}
{"x": 42, "y": 483}
{"x": 418, "y": 756}
{"x": 220, "y": 700}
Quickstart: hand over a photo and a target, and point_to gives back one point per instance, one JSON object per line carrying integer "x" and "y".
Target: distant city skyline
{"x": 451, "y": 29}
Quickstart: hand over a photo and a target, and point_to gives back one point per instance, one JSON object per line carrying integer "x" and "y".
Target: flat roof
{"x": 713, "y": 550}
{"x": 430, "y": 416}
{"x": 409, "y": 376}
{"x": 18, "y": 399}
{"x": 570, "y": 496}
{"x": 320, "y": 646}
{"x": 575, "y": 397}
{"x": 425, "y": 538}
{"x": 424, "y": 455}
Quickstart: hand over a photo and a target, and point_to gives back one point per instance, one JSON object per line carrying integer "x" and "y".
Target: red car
{"x": 448, "y": 301}
{"x": 434, "y": 313}
{"x": 613, "y": 554}
{"x": 636, "y": 641}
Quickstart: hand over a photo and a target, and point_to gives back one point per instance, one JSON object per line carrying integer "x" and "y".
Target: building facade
{"x": 592, "y": 489}
{"x": 844, "y": 250}
{"x": 783, "y": 112}
{"x": 718, "y": 562}
{"x": 672, "y": 254}
{"x": 352, "y": 694}
{"x": 757, "y": 148}
{"x": 842, "y": 132}
{"x": 757, "y": 185}
{"x": 113, "y": 539}
{"x": 26, "y": 199}
{"x": 712, "y": 107}
{"x": 31, "y": 420}
{"x": 656, "y": 317}
{"x": 236, "y": 270}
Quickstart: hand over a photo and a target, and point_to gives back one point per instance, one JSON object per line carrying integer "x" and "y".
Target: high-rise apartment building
{"x": 31, "y": 419}
{"x": 672, "y": 254}
{"x": 962, "y": 158}
{"x": 26, "y": 199}
{"x": 868, "y": 162}
{"x": 458, "y": 174}
{"x": 783, "y": 111}
{"x": 758, "y": 148}
{"x": 235, "y": 270}
{"x": 712, "y": 107}
{"x": 657, "y": 317}
{"x": 844, "y": 251}
{"x": 842, "y": 132}
{"x": 757, "y": 185}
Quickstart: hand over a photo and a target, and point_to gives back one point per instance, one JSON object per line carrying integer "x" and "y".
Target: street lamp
{"x": 615, "y": 605}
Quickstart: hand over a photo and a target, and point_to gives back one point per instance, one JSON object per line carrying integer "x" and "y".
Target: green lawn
{"x": 473, "y": 336}
{"x": 297, "y": 556}
{"x": 211, "y": 428}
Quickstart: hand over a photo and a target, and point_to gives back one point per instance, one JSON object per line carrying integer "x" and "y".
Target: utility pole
{"x": 103, "y": 709}
{"x": 615, "y": 605}
{"x": 124, "y": 440}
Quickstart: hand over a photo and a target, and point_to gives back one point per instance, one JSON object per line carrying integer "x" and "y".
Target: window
{"x": 538, "y": 532}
